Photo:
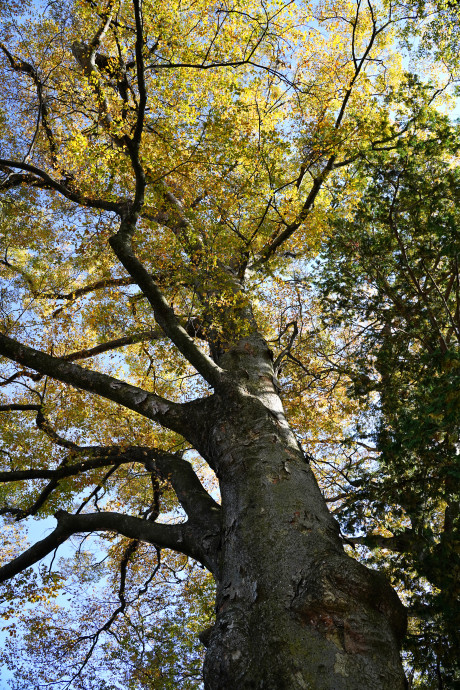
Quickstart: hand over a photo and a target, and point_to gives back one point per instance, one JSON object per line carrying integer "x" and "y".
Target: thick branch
{"x": 203, "y": 527}
{"x": 13, "y": 407}
{"x": 176, "y": 537}
{"x": 40, "y": 174}
{"x": 135, "y": 142}
{"x": 164, "y": 315}
{"x": 64, "y": 470}
{"x": 101, "y": 457}
{"x": 19, "y": 179}
{"x": 192, "y": 496}
{"x": 169, "y": 414}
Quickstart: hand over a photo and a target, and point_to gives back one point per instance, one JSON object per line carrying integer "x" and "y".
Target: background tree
{"x": 167, "y": 170}
{"x": 393, "y": 266}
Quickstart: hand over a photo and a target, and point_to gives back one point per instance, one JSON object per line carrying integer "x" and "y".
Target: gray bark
{"x": 293, "y": 610}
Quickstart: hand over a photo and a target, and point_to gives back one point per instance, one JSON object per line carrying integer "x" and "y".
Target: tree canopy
{"x": 206, "y": 203}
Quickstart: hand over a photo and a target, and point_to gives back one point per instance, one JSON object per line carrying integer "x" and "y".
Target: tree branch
{"x": 112, "y": 456}
{"x": 20, "y": 179}
{"x": 269, "y": 249}
{"x": 164, "y": 315}
{"x": 172, "y": 415}
{"x": 20, "y": 65}
{"x": 203, "y": 527}
{"x": 13, "y": 407}
{"x": 98, "y": 285}
{"x": 112, "y": 345}
{"x": 101, "y": 457}
{"x": 176, "y": 537}
{"x": 44, "y": 425}
{"x": 64, "y": 470}
{"x": 193, "y": 497}
{"x": 403, "y": 542}
{"x": 40, "y": 174}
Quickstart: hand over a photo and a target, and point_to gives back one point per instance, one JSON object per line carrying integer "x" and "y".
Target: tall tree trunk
{"x": 293, "y": 610}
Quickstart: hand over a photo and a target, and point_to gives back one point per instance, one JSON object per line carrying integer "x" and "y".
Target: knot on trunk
{"x": 344, "y": 601}
{"x": 205, "y": 635}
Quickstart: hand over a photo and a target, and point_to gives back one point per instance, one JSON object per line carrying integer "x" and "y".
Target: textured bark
{"x": 292, "y": 610}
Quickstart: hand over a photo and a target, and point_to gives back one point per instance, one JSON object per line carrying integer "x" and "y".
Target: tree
{"x": 165, "y": 170}
{"x": 394, "y": 267}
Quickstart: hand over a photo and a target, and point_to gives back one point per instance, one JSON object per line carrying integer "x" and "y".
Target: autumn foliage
{"x": 183, "y": 186}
